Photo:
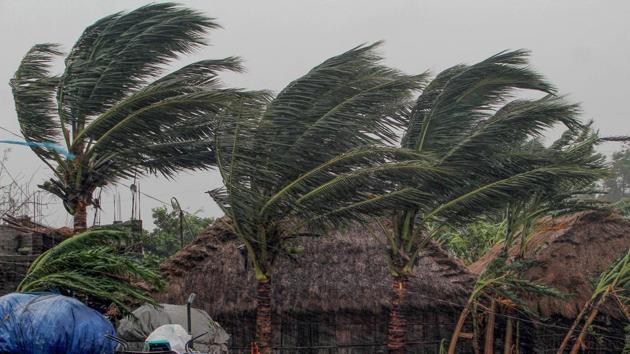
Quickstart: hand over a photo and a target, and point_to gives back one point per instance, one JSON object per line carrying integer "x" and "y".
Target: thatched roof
{"x": 569, "y": 253}
{"x": 341, "y": 271}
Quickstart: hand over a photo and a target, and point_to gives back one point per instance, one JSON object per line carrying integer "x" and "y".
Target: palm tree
{"x": 317, "y": 136}
{"x": 460, "y": 125}
{"x": 112, "y": 109}
{"x": 500, "y": 283}
{"x": 95, "y": 266}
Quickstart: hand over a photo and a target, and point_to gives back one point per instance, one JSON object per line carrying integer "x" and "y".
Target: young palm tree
{"x": 112, "y": 109}
{"x": 461, "y": 125}
{"x": 322, "y": 127}
{"x": 94, "y": 266}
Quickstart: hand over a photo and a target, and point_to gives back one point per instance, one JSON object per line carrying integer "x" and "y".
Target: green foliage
{"x": 617, "y": 184}
{"x": 114, "y": 108}
{"x": 164, "y": 240}
{"x": 471, "y": 241}
{"x": 290, "y": 164}
{"x": 501, "y": 280}
{"x": 466, "y": 118}
{"x": 622, "y": 207}
{"x": 96, "y": 266}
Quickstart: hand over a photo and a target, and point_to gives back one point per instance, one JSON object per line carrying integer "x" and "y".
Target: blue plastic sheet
{"x": 52, "y": 324}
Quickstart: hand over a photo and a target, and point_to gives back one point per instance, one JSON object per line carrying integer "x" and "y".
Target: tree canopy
{"x": 115, "y": 109}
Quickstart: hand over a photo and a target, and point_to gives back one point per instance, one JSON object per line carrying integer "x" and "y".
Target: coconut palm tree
{"x": 500, "y": 282}
{"x": 462, "y": 124}
{"x": 329, "y": 124}
{"x": 114, "y": 110}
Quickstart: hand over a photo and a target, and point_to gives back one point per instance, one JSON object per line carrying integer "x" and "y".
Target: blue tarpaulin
{"x": 52, "y": 324}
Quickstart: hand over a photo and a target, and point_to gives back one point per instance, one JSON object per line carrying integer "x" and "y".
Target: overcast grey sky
{"x": 578, "y": 45}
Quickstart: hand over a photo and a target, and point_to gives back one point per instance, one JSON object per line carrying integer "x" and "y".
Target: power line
{"x": 12, "y": 133}
{"x": 97, "y": 172}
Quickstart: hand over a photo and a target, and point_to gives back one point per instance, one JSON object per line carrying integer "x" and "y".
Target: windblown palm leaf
{"x": 486, "y": 167}
{"x": 115, "y": 110}
{"x": 95, "y": 266}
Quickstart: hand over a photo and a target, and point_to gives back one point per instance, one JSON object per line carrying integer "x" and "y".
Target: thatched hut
{"x": 569, "y": 253}
{"x": 333, "y": 298}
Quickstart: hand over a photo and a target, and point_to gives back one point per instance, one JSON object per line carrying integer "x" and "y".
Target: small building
{"x": 332, "y": 298}
{"x": 569, "y": 253}
{"x": 21, "y": 241}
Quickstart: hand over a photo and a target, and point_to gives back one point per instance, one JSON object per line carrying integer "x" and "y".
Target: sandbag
{"x": 52, "y": 324}
{"x": 147, "y": 318}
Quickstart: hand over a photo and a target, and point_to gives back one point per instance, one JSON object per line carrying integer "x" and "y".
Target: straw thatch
{"x": 343, "y": 271}
{"x": 569, "y": 253}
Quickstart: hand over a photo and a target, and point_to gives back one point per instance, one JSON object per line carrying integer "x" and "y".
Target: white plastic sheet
{"x": 175, "y": 334}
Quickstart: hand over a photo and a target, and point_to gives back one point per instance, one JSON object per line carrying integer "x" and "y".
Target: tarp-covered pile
{"x": 148, "y": 318}
{"x": 52, "y": 324}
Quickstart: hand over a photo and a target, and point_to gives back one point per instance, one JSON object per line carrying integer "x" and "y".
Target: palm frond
{"x": 92, "y": 265}
{"x": 515, "y": 122}
{"x": 34, "y": 93}
{"x": 497, "y": 193}
{"x": 119, "y": 53}
{"x": 464, "y": 96}
{"x": 347, "y": 101}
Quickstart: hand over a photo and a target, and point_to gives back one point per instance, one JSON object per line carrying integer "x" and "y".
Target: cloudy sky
{"x": 578, "y": 45}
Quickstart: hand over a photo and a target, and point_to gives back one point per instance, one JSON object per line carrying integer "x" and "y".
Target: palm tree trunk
{"x": 80, "y": 216}
{"x": 452, "y": 347}
{"x": 397, "y": 327}
{"x": 263, "y": 316}
{"x": 489, "y": 342}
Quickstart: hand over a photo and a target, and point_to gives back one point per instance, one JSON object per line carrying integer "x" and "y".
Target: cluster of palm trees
{"x": 350, "y": 141}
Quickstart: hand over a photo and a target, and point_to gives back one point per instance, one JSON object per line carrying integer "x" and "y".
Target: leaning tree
{"x": 114, "y": 109}
{"x": 501, "y": 284}
{"x": 323, "y": 126}
{"x": 463, "y": 124}
{"x": 321, "y": 155}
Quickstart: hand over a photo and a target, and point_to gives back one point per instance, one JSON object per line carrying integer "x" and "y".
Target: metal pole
{"x": 191, "y": 298}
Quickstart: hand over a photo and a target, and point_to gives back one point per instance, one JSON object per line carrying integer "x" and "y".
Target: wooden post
{"x": 508, "y": 335}
{"x": 489, "y": 342}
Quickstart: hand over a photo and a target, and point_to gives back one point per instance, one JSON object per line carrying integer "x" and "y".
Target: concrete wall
{"x": 16, "y": 254}
{"x": 12, "y": 271}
